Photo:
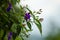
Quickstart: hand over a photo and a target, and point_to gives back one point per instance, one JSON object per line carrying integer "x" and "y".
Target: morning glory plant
{"x": 16, "y": 22}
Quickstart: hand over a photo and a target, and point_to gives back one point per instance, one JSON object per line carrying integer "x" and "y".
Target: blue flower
{"x": 9, "y": 35}
{"x": 9, "y": 7}
{"x": 27, "y": 16}
{"x": 9, "y": 38}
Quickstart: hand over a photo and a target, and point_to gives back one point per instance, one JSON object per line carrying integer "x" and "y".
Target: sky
{"x": 50, "y": 10}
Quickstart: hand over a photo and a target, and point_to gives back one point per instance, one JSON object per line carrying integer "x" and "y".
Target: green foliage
{"x": 29, "y": 25}
{"x": 12, "y": 20}
{"x": 18, "y": 38}
{"x": 38, "y": 25}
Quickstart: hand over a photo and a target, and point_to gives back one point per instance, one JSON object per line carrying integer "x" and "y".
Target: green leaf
{"x": 29, "y": 10}
{"x": 13, "y": 28}
{"x": 38, "y": 25}
{"x": 1, "y": 33}
{"x": 18, "y": 38}
{"x": 14, "y": 1}
{"x": 29, "y": 25}
{"x": 18, "y": 1}
{"x": 25, "y": 29}
{"x": 18, "y": 29}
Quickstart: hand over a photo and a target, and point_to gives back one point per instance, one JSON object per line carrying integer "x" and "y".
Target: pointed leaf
{"x": 38, "y": 25}
{"x": 29, "y": 25}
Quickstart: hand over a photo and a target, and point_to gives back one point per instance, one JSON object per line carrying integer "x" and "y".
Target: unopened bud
{"x": 41, "y": 19}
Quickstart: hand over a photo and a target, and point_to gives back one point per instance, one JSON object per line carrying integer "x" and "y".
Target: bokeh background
{"x": 51, "y": 16}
